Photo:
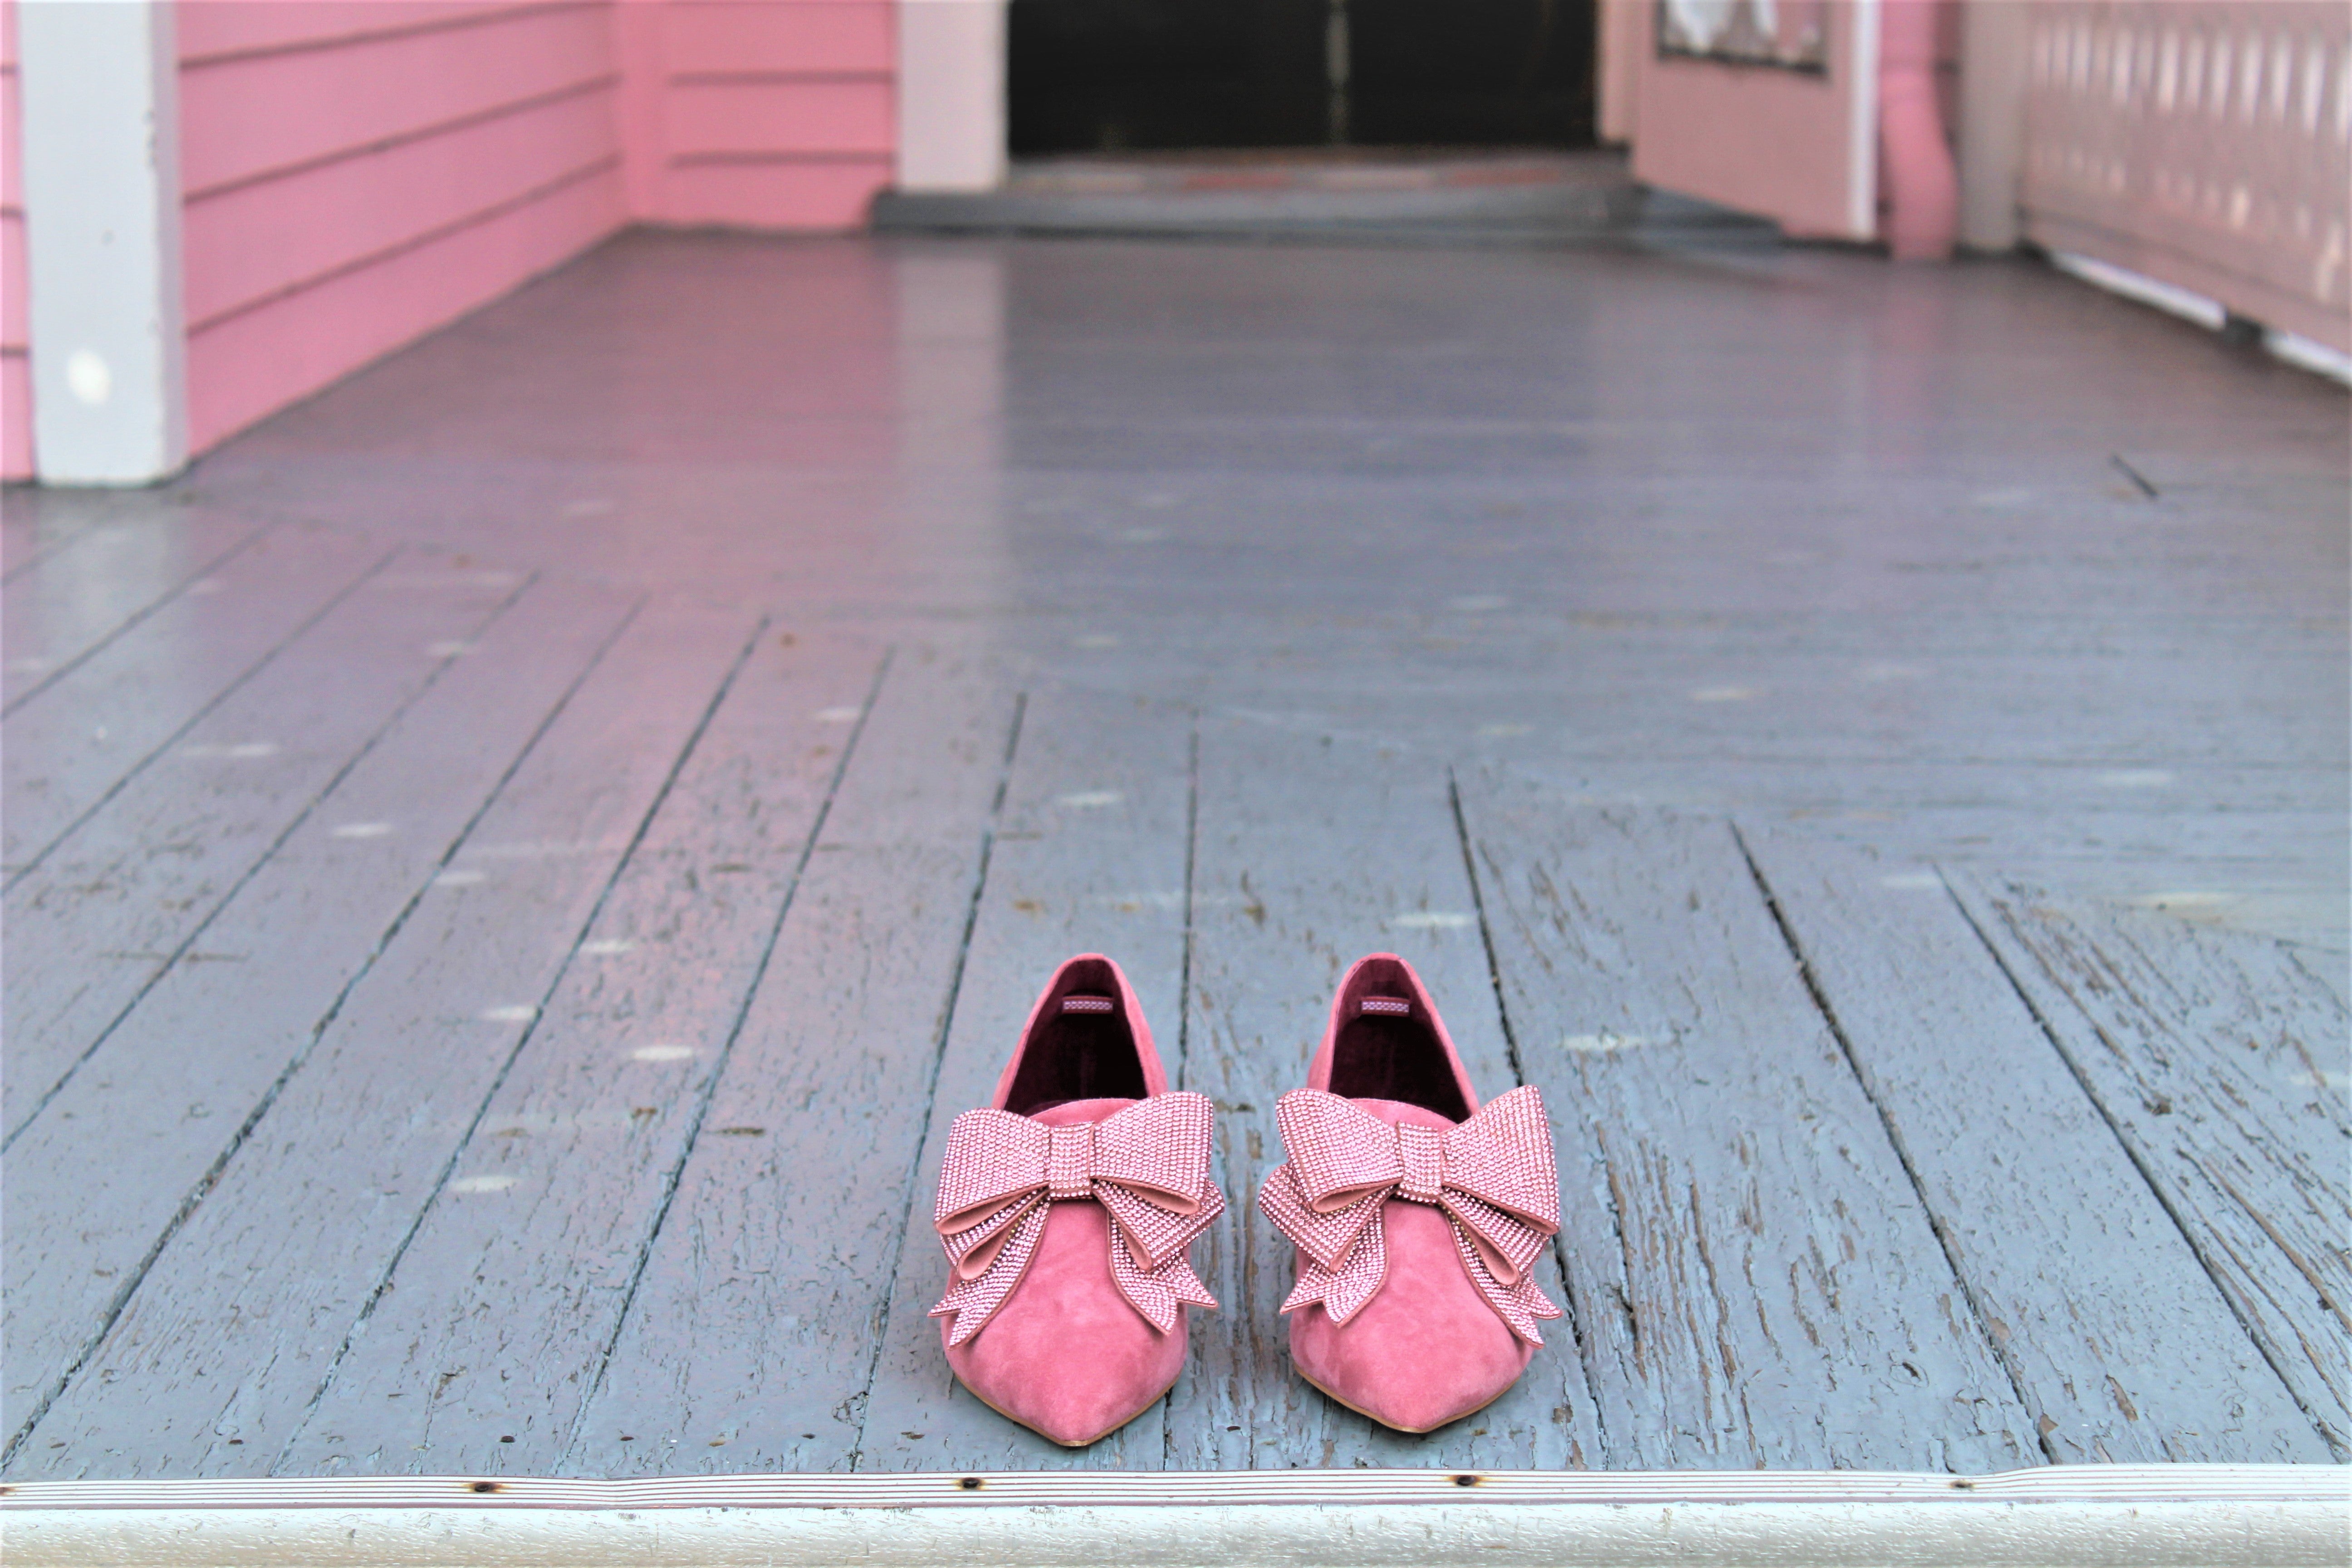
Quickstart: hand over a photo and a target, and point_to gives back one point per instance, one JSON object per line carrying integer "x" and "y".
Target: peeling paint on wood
{"x": 2117, "y": 1341}
{"x": 2219, "y": 1061}
{"x": 1758, "y": 1283}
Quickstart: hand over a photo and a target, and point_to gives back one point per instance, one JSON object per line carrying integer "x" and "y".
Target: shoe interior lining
{"x": 1077, "y": 1055}
{"x": 1387, "y": 1056}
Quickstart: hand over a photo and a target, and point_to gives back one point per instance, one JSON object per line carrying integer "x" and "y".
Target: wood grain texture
{"x": 83, "y": 735}
{"x": 1309, "y": 855}
{"x": 125, "y": 896}
{"x": 1757, "y": 1281}
{"x": 2220, "y": 1061}
{"x": 2114, "y": 1336}
{"x": 100, "y": 1176}
{"x": 367, "y": 1133}
{"x": 1090, "y": 856}
{"x": 495, "y": 1325}
{"x": 90, "y": 588}
{"x": 754, "y": 1330}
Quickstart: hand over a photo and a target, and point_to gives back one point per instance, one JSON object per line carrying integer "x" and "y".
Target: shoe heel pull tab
{"x": 1388, "y": 1007}
{"x": 1079, "y": 1001}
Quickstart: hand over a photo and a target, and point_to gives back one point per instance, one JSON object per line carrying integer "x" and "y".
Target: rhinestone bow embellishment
{"x": 1492, "y": 1176}
{"x": 1148, "y": 1165}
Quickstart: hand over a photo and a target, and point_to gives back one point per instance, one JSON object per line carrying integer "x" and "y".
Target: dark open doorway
{"x": 1108, "y": 75}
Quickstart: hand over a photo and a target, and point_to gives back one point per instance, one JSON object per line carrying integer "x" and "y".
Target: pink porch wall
{"x": 358, "y": 173}
{"x": 758, "y": 113}
{"x": 15, "y": 369}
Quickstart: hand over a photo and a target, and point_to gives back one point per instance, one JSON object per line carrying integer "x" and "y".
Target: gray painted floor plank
{"x": 1757, "y": 1281}
{"x": 1309, "y": 857}
{"x": 2220, "y": 1061}
{"x": 82, "y": 735}
{"x": 25, "y": 543}
{"x": 36, "y": 523}
{"x": 2120, "y": 1347}
{"x": 105, "y": 913}
{"x": 753, "y": 1336}
{"x": 95, "y": 1180}
{"x": 492, "y": 1332}
{"x": 324, "y": 1193}
{"x": 1090, "y": 856}
{"x": 85, "y": 592}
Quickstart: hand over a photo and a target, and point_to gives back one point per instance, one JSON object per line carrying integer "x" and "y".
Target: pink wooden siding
{"x": 760, "y": 113}
{"x": 358, "y": 173}
{"x": 15, "y": 370}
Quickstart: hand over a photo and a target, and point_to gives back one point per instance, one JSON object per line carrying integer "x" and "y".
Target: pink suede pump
{"x": 1069, "y": 1209}
{"x": 1418, "y": 1216}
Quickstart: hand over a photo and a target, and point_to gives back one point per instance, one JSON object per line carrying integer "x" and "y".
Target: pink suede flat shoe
{"x": 1068, "y": 1210}
{"x": 1418, "y": 1216}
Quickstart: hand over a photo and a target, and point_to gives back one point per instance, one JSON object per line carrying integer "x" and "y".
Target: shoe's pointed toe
{"x": 1066, "y": 1356}
{"x": 1427, "y": 1350}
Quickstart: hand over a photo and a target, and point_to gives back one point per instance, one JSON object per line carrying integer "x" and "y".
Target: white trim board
{"x": 951, "y": 94}
{"x": 2146, "y": 1516}
{"x": 98, "y": 98}
{"x": 1861, "y": 132}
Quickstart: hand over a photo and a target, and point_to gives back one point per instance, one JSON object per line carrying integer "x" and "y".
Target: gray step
{"x": 1554, "y": 197}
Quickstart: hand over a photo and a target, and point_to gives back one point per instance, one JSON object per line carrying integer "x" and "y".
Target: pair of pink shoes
{"x": 1069, "y": 1208}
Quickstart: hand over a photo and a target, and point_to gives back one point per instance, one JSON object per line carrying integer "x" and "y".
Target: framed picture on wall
{"x": 1793, "y": 34}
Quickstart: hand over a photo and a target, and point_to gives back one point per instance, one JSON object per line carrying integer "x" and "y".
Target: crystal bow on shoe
{"x": 1146, "y": 1166}
{"x": 1493, "y": 1175}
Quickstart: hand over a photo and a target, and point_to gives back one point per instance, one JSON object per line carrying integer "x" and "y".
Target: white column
{"x": 1621, "y": 41}
{"x": 98, "y": 90}
{"x": 951, "y": 95}
{"x": 1993, "y": 44}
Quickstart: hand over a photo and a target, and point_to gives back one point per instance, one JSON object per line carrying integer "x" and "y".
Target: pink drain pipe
{"x": 1923, "y": 188}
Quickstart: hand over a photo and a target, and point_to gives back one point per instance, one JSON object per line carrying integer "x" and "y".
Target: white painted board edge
{"x": 1861, "y": 132}
{"x": 2155, "y": 1516}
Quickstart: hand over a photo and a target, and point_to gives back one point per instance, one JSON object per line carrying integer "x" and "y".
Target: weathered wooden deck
{"x": 511, "y": 866}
